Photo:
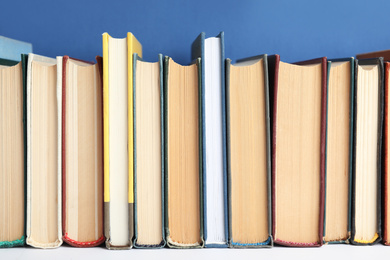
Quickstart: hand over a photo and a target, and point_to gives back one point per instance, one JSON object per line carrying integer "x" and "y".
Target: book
{"x": 385, "y": 195}
{"x": 366, "y": 175}
{"x": 298, "y": 150}
{"x": 249, "y": 152}
{"x": 339, "y": 139}
{"x": 214, "y": 165}
{"x": 183, "y": 155}
{"x": 43, "y": 153}
{"x": 82, "y": 151}
{"x": 11, "y": 49}
{"x": 385, "y": 159}
{"x": 118, "y": 139}
{"x": 148, "y": 153}
{"x": 13, "y": 152}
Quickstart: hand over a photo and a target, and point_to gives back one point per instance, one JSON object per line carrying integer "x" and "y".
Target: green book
{"x": 12, "y": 152}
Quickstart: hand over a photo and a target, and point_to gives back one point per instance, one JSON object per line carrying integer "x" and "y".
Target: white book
{"x": 44, "y": 228}
{"x": 211, "y": 51}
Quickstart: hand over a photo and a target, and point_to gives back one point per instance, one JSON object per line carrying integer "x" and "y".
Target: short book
{"x": 249, "y": 152}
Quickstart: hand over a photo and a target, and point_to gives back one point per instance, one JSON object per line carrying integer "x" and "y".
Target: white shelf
{"x": 328, "y": 252}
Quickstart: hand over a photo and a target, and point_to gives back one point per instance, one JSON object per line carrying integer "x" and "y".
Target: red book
{"x": 298, "y": 150}
{"x": 82, "y": 152}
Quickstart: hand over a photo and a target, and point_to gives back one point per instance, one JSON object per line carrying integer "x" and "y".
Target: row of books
{"x": 213, "y": 154}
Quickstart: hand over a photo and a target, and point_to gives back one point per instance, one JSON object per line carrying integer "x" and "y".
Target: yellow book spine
{"x": 106, "y": 153}
{"x": 133, "y": 46}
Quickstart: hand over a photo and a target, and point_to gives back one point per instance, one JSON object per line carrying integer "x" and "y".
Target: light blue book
{"x": 11, "y": 49}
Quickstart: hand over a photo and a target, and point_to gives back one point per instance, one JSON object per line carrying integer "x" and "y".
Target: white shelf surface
{"x": 328, "y": 252}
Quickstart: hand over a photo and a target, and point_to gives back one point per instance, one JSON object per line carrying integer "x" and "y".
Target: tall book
{"x": 148, "y": 153}
{"x": 214, "y": 164}
{"x": 385, "y": 194}
{"x": 11, "y": 49}
{"x": 183, "y": 155}
{"x": 249, "y": 152}
{"x": 82, "y": 151}
{"x": 339, "y": 140}
{"x": 118, "y": 139}
{"x": 298, "y": 150}
{"x": 366, "y": 176}
{"x": 12, "y": 152}
{"x": 43, "y": 153}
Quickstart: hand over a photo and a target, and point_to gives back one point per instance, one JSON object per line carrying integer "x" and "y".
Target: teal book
{"x": 249, "y": 153}
{"x": 148, "y": 132}
{"x": 183, "y": 155}
{"x": 338, "y": 155}
{"x": 11, "y": 49}
{"x": 214, "y": 164}
{"x": 13, "y": 152}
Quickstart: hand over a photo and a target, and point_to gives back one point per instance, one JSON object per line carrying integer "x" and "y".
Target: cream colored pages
{"x": 11, "y": 154}
{"x": 84, "y": 153}
{"x": 118, "y": 131}
{"x": 248, "y": 155}
{"x": 297, "y": 163}
{"x": 366, "y": 153}
{"x": 148, "y": 153}
{"x": 183, "y": 155}
{"x": 338, "y": 152}
{"x": 59, "y": 142}
{"x": 43, "y": 202}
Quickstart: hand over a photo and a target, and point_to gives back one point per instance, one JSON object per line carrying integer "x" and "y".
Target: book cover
{"x": 385, "y": 158}
{"x": 11, "y": 49}
{"x": 198, "y": 50}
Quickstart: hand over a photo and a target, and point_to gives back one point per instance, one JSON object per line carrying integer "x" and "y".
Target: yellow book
{"x": 118, "y": 138}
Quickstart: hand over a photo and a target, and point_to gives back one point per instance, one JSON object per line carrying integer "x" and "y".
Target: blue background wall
{"x": 297, "y": 30}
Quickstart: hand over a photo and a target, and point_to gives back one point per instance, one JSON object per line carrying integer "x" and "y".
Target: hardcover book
{"x": 366, "y": 175}
{"x": 249, "y": 152}
{"x": 11, "y": 49}
{"x": 183, "y": 155}
{"x": 148, "y": 154}
{"x": 214, "y": 165}
{"x": 43, "y": 153}
{"x": 82, "y": 151}
{"x": 298, "y": 150}
{"x": 118, "y": 139}
{"x": 339, "y": 136}
{"x": 13, "y": 152}
{"x": 385, "y": 196}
